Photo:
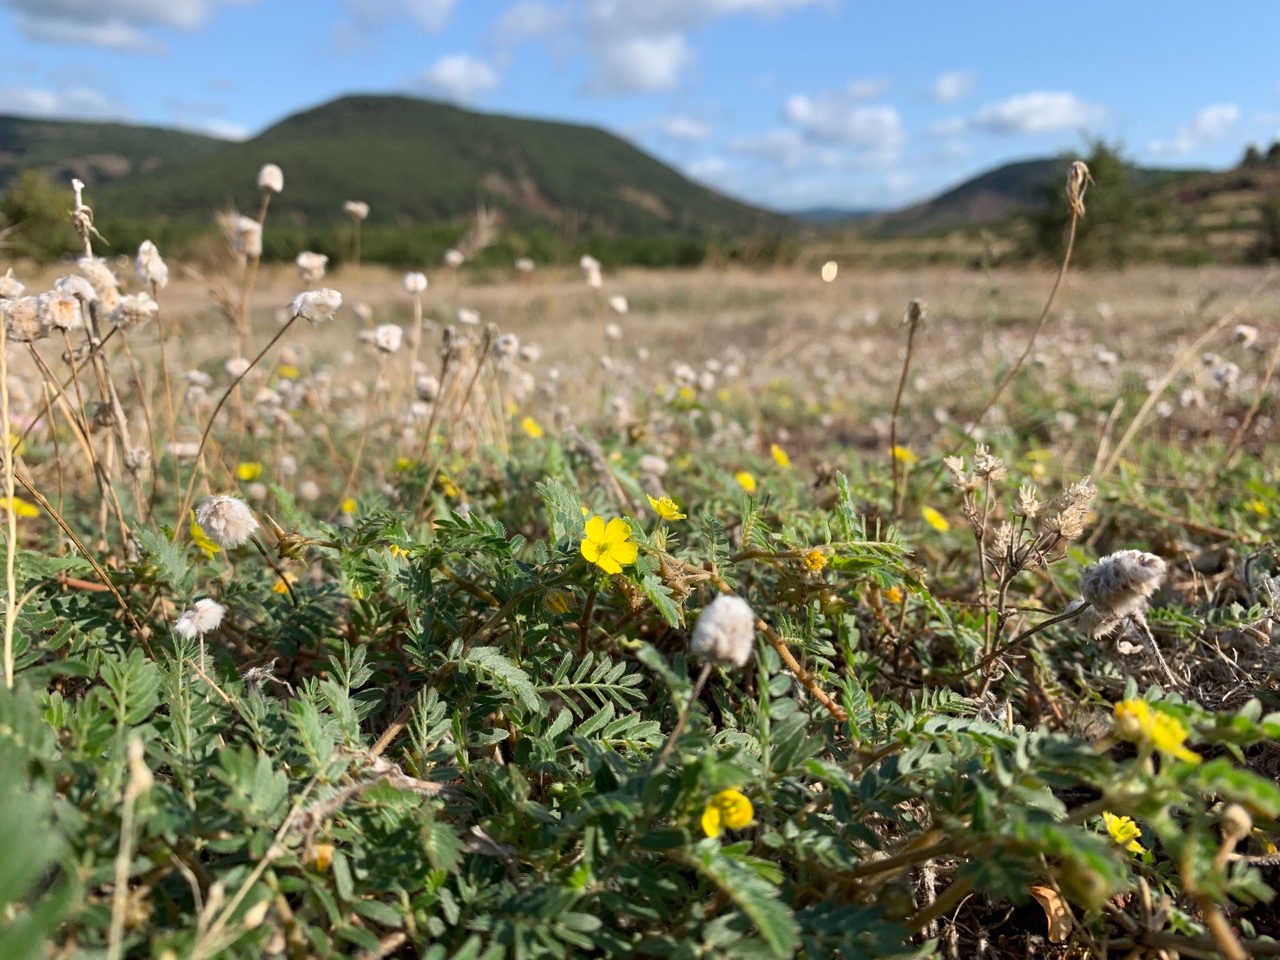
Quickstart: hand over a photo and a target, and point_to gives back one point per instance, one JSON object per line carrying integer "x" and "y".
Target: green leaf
{"x": 659, "y": 595}
{"x": 498, "y": 671}
{"x": 756, "y": 898}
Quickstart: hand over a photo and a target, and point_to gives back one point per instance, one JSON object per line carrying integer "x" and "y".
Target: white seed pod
{"x": 618, "y": 304}
{"x": 468, "y": 316}
{"x": 270, "y": 178}
{"x": 228, "y": 521}
{"x": 23, "y": 320}
{"x": 356, "y": 209}
{"x": 454, "y": 258}
{"x": 1119, "y": 586}
{"x": 524, "y": 265}
{"x": 204, "y": 617}
{"x": 415, "y": 282}
{"x": 725, "y": 632}
{"x": 61, "y": 310}
{"x": 133, "y": 311}
{"x": 388, "y": 337}
{"x": 10, "y": 286}
{"x": 316, "y": 306}
{"x": 248, "y": 237}
{"x": 149, "y": 267}
{"x": 311, "y": 266}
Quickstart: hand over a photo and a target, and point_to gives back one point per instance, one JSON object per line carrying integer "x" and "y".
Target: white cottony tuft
{"x": 10, "y": 286}
{"x": 524, "y": 264}
{"x": 204, "y": 617}
{"x": 248, "y": 236}
{"x": 356, "y": 209}
{"x": 415, "y": 283}
{"x": 134, "y": 310}
{"x": 1118, "y": 586}
{"x": 725, "y": 631}
{"x": 271, "y": 178}
{"x": 468, "y": 316}
{"x": 61, "y": 310}
{"x": 618, "y": 304}
{"x": 387, "y": 337}
{"x": 228, "y": 521}
{"x": 311, "y": 266}
{"x": 454, "y": 258}
{"x": 148, "y": 267}
{"x": 316, "y": 306}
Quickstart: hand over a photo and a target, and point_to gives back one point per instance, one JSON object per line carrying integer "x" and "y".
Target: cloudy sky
{"x": 787, "y": 103}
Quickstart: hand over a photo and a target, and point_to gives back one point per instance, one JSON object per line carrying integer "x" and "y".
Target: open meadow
{"x": 356, "y": 613}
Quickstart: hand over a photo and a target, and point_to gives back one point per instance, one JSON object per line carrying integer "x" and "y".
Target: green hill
{"x": 97, "y": 153}
{"x": 417, "y": 163}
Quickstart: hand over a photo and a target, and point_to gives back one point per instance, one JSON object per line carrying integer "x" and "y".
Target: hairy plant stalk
{"x": 915, "y": 313}
{"x": 684, "y": 716}
{"x": 11, "y": 515}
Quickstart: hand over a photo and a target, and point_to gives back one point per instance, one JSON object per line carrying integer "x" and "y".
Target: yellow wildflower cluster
{"x": 1136, "y": 721}
{"x": 727, "y": 809}
{"x": 815, "y": 560}
{"x": 1124, "y": 832}
{"x": 609, "y": 547}
{"x": 666, "y": 508}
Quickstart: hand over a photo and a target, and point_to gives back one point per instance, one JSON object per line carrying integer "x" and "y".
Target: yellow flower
{"x": 251, "y": 470}
{"x": 404, "y": 464}
{"x": 609, "y": 547}
{"x": 18, "y": 445}
{"x": 815, "y": 560}
{"x": 396, "y": 550}
{"x": 1256, "y": 506}
{"x": 201, "y": 539}
{"x": 780, "y": 456}
{"x": 893, "y": 594}
{"x": 666, "y": 508}
{"x": 322, "y": 856}
{"x": 934, "y": 519}
{"x": 532, "y": 429}
{"x": 904, "y": 454}
{"x": 1124, "y": 832}
{"x": 280, "y": 586}
{"x": 20, "y": 507}
{"x": 686, "y": 394}
{"x": 348, "y": 505}
{"x": 288, "y": 371}
{"x": 728, "y": 808}
{"x": 746, "y": 481}
{"x": 1136, "y": 721}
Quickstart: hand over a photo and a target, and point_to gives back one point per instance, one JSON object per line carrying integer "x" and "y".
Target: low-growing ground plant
{"x": 458, "y": 647}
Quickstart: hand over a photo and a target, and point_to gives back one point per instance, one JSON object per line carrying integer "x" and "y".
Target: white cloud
{"x": 952, "y": 86}
{"x": 432, "y": 14}
{"x": 842, "y": 117}
{"x": 711, "y": 170}
{"x": 679, "y": 127}
{"x": 77, "y": 102}
{"x": 1210, "y": 124}
{"x": 529, "y": 20}
{"x": 117, "y": 24}
{"x": 642, "y": 64}
{"x": 214, "y": 127}
{"x": 1038, "y": 112}
{"x": 459, "y": 77}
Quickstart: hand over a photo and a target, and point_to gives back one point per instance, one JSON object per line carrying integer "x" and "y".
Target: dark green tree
{"x": 37, "y": 214}
{"x": 1114, "y": 212}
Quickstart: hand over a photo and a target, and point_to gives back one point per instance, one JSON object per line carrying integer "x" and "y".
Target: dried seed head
{"x": 134, "y": 310}
{"x": 388, "y": 337}
{"x": 618, "y": 304}
{"x": 415, "y": 283}
{"x": 725, "y": 632}
{"x": 204, "y": 617}
{"x": 23, "y": 319}
{"x": 228, "y": 521}
{"x": 988, "y": 465}
{"x": 77, "y": 287}
{"x": 356, "y": 209}
{"x": 1071, "y": 510}
{"x": 149, "y": 267}
{"x": 270, "y": 178}
{"x": 1027, "y": 506}
{"x": 1078, "y": 180}
{"x": 427, "y": 387}
{"x": 454, "y": 258}
{"x": 506, "y": 345}
{"x": 106, "y": 287}
{"x": 1118, "y": 586}
{"x": 311, "y": 266}
{"x": 915, "y": 313}
{"x": 61, "y": 310}
{"x": 316, "y": 306}
{"x": 468, "y": 316}
{"x": 959, "y": 478}
{"x": 10, "y": 286}
{"x": 1243, "y": 334}
{"x": 524, "y": 265}
{"x": 247, "y": 237}
{"x": 237, "y": 367}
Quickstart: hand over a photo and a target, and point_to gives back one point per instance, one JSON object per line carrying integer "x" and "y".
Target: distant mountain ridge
{"x": 413, "y": 161}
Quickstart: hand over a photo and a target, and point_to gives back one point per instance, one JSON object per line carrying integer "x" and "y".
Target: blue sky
{"x": 786, "y": 103}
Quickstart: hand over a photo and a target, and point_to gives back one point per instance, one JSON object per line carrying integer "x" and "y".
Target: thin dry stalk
{"x": 1078, "y": 180}
{"x": 139, "y": 782}
{"x": 1234, "y": 446}
{"x": 11, "y": 515}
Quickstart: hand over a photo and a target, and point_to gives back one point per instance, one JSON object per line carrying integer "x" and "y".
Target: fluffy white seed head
{"x": 311, "y": 266}
{"x": 388, "y": 337}
{"x": 227, "y": 520}
{"x": 454, "y": 258}
{"x": 247, "y": 238}
{"x": 271, "y": 178}
{"x": 618, "y": 304}
{"x": 356, "y": 209}
{"x": 468, "y": 316}
{"x": 725, "y": 632}
{"x": 106, "y": 287}
{"x": 61, "y": 310}
{"x": 205, "y": 616}
{"x": 149, "y": 267}
{"x": 23, "y": 320}
{"x": 588, "y": 262}
{"x": 316, "y": 306}
{"x": 524, "y": 265}
{"x": 10, "y": 286}
{"x": 78, "y": 287}
{"x": 236, "y": 367}
{"x": 134, "y": 310}
{"x": 415, "y": 282}
{"x": 1119, "y": 586}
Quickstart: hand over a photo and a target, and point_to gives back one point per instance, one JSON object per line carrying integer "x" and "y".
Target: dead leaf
{"x": 1056, "y": 911}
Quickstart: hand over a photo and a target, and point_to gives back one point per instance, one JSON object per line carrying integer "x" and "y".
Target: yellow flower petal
{"x": 349, "y": 505}
{"x": 666, "y": 508}
{"x": 590, "y": 550}
{"x": 746, "y": 481}
{"x": 624, "y": 553}
{"x": 728, "y": 808}
{"x": 712, "y": 825}
{"x": 595, "y": 529}
{"x": 815, "y": 560}
{"x": 251, "y": 470}
{"x": 904, "y": 454}
{"x": 20, "y": 507}
{"x": 934, "y": 519}
{"x": 532, "y": 429}
{"x": 780, "y": 456}
{"x": 617, "y": 531}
